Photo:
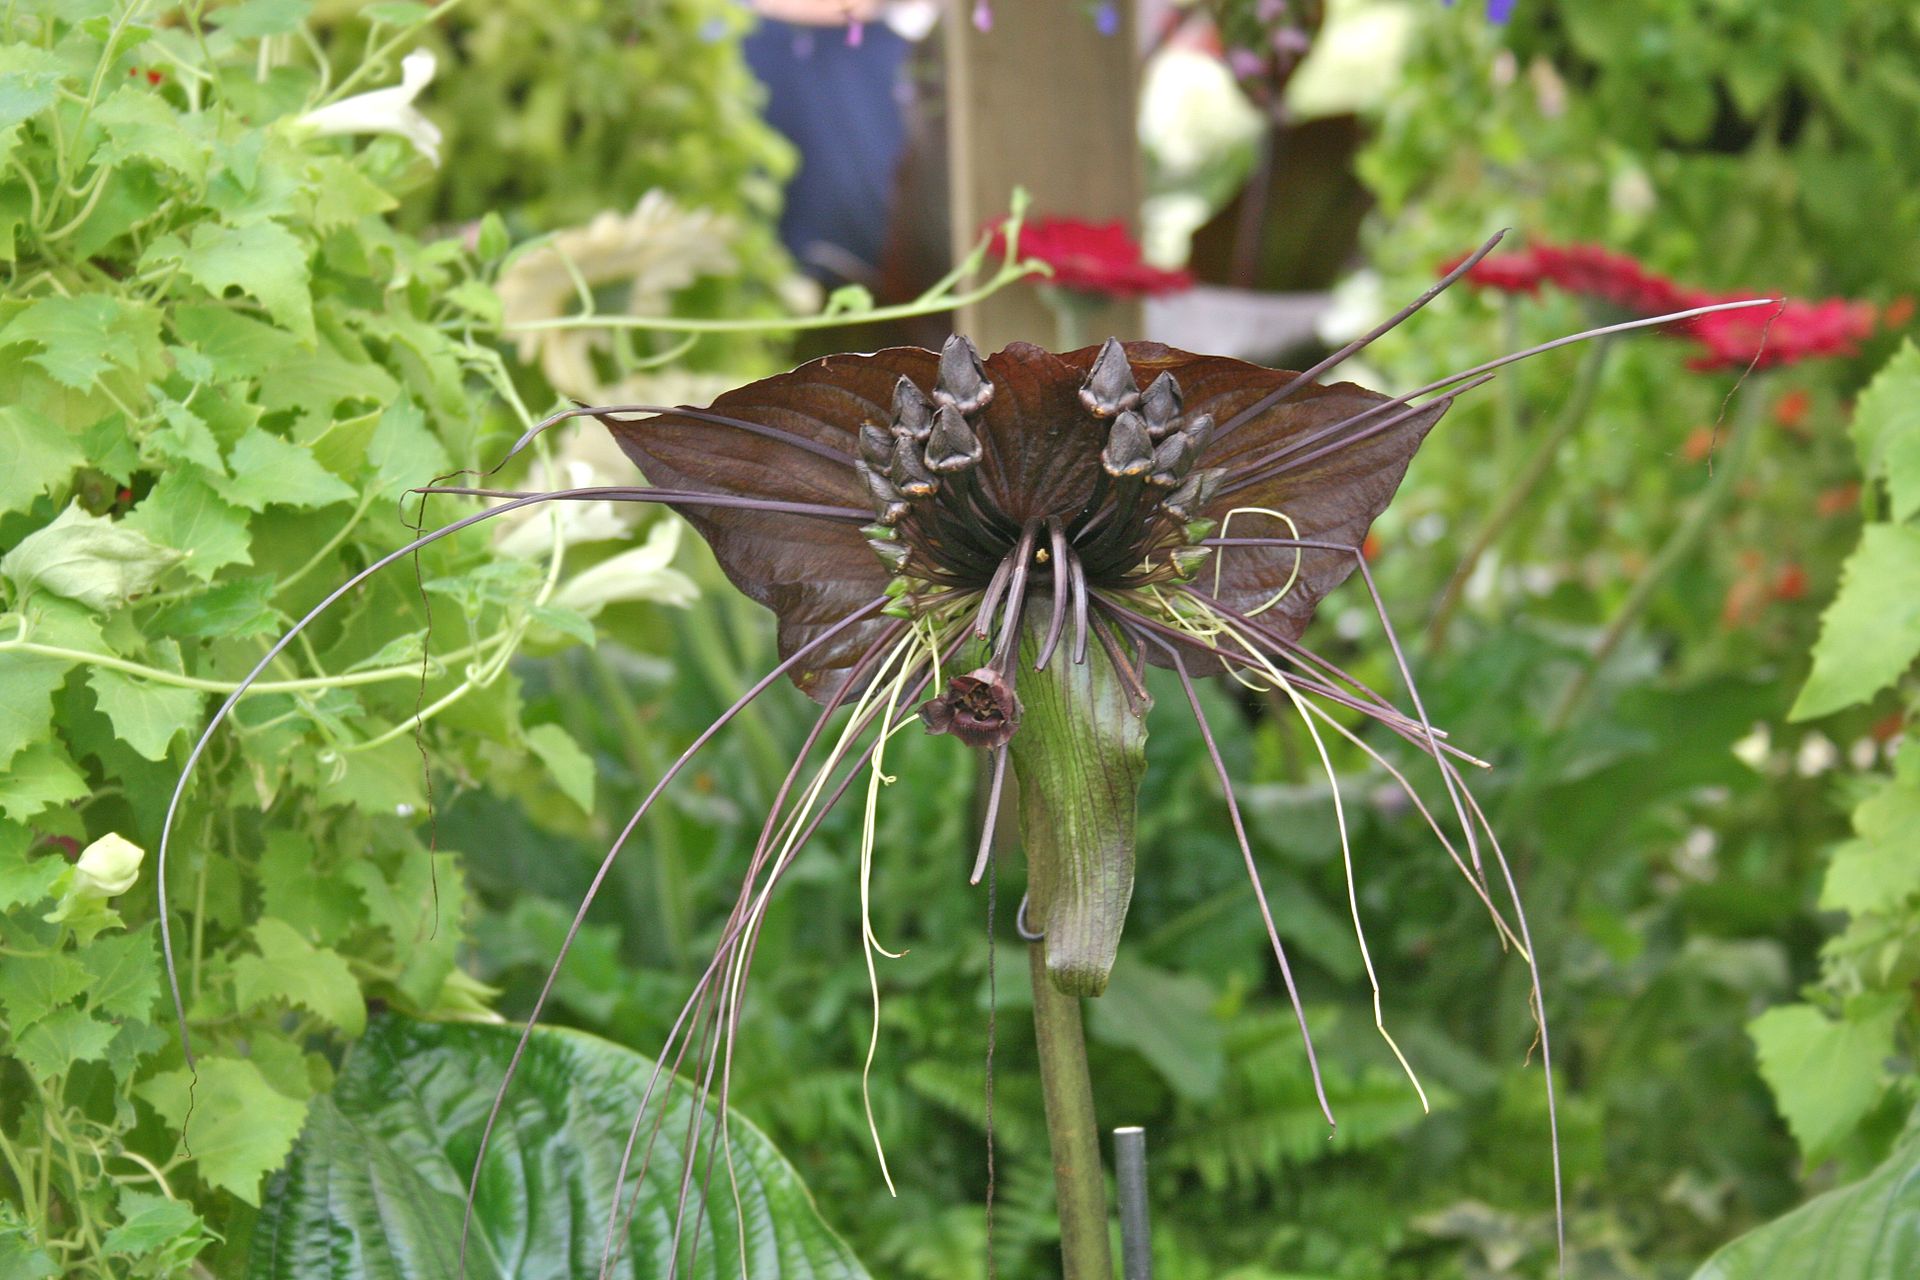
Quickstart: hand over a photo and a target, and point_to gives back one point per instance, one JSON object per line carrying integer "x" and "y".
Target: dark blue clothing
{"x": 840, "y": 106}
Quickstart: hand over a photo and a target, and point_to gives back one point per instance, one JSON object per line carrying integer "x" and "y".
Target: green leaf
{"x": 153, "y": 1224}
{"x": 1877, "y": 871}
{"x": 125, "y": 968}
{"x": 183, "y": 436}
{"x": 1825, "y": 1073}
{"x": 240, "y": 1129}
{"x": 1871, "y": 632}
{"x": 32, "y": 986}
{"x": 99, "y": 562}
{"x": 238, "y": 346}
{"x": 29, "y": 80}
{"x": 52, "y": 1045}
{"x": 36, "y": 457}
{"x": 141, "y": 125}
{"x": 1080, "y": 754}
{"x": 262, "y": 259}
{"x": 1886, "y": 429}
{"x": 1167, "y": 1019}
{"x": 27, "y": 686}
{"x": 297, "y": 891}
{"x": 25, "y": 880}
{"x": 570, "y": 767}
{"x": 182, "y": 512}
{"x": 1868, "y": 1230}
{"x": 292, "y": 969}
{"x": 86, "y": 335}
{"x": 253, "y": 18}
{"x": 234, "y": 610}
{"x": 380, "y": 1173}
{"x": 39, "y": 776}
{"x": 267, "y": 469}
{"x": 145, "y": 713}
{"x": 343, "y": 194}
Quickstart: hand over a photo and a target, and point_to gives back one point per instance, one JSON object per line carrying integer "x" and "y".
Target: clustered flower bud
{"x": 979, "y": 708}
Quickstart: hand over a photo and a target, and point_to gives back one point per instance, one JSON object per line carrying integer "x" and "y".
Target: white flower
{"x": 1192, "y": 113}
{"x": 388, "y": 110}
{"x": 639, "y": 574}
{"x": 654, "y": 250}
{"x": 108, "y": 867}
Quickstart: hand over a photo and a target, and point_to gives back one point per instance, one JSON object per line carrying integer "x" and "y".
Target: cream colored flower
{"x": 643, "y": 573}
{"x": 656, "y": 249}
{"x": 108, "y": 867}
{"x": 388, "y": 110}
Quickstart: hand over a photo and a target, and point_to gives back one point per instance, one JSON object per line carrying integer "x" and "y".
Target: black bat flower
{"x": 1061, "y": 519}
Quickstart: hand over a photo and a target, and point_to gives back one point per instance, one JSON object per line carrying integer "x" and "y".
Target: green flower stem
{"x": 1518, "y": 495}
{"x": 1072, "y": 1131}
{"x": 159, "y": 675}
{"x": 1744, "y": 434}
{"x": 922, "y": 306}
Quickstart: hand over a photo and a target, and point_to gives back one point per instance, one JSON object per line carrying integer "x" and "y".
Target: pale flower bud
{"x": 107, "y": 867}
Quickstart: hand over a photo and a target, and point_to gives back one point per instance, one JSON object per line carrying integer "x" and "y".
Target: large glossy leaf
{"x": 377, "y": 1182}
{"x": 1868, "y": 1230}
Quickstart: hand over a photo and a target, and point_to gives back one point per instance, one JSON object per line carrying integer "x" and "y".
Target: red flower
{"x": 1093, "y": 257}
{"x": 1795, "y": 330}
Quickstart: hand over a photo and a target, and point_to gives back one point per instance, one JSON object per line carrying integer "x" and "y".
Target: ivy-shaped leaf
{"x": 36, "y": 457}
{"x": 1886, "y": 429}
{"x": 145, "y": 713}
{"x": 51, "y": 1046}
{"x": 570, "y": 767}
{"x": 1870, "y": 634}
{"x": 38, "y": 777}
{"x": 140, "y": 125}
{"x": 241, "y": 1127}
{"x": 267, "y": 469}
{"x": 262, "y": 259}
{"x": 86, "y": 335}
{"x": 32, "y": 986}
{"x": 125, "y": 973}
{"x": 291, "y": 969}
{"x": 184, "y": 513}
{"x": 1825, "y": 1073}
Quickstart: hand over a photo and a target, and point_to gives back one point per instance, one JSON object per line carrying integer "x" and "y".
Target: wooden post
{"x": 1045, "y": 101}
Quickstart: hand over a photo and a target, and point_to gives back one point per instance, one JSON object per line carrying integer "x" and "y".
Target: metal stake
{"x": 1130, "y": 1169}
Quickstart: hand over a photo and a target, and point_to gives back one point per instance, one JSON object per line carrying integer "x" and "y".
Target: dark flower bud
{"x": 1194, "y": 495}
{"x": 1199, "y": 432}
{"x": 876, "y": 445}
{"x": 912, "y": 411}
{"x": 1172, "y": 460}
{"x": 952, "y": 445}
{"x": 888, "y": 502}
{"x": 1129, "y": 449}
{"x": 1110, "y": 388}
{"x": 909, "y": 472}
{"x": 980, "y": 709}
{"x": 1187, "y": 560}
{"x": 1160, "y": 405}
{"x": 892, "y": 554}
{"x": 962, "y": 382}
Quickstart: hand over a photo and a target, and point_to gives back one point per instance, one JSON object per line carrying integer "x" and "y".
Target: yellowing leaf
{"x": 102, "y": 563}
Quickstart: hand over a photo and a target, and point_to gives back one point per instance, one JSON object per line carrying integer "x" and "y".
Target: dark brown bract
{"x": 1071, "y": 483}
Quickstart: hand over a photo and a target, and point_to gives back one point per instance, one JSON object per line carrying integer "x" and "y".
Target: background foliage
{"x": 302, "y": 328}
